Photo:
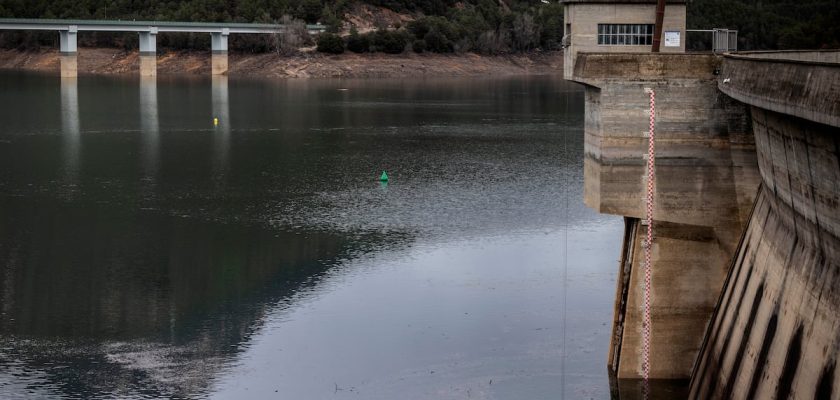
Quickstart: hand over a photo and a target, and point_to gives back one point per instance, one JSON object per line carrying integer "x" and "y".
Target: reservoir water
{"x": 146, "y": 252}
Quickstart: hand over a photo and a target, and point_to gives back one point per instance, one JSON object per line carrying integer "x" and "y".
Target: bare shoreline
{"x": 111, "y": 61}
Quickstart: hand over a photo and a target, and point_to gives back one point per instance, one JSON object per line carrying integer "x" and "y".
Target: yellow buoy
{"x": 215, "y": 122}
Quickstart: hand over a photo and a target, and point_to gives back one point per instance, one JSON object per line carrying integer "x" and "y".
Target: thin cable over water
{"x": 565, "y": 240}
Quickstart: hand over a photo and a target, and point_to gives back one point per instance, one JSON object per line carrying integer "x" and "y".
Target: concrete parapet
{"x": 599, "y": 67}
{"x": 806, "y": 89}
{"x": 809, "y": 56}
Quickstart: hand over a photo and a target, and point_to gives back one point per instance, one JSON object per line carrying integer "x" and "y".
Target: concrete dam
{"x": 745, "y": 301}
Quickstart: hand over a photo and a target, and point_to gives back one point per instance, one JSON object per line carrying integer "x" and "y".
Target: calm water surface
{"x": 145, "y": 252}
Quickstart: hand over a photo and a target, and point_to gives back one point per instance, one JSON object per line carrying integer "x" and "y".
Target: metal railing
{"x": 723, "y": 39}
{"x": 77, "y": 25}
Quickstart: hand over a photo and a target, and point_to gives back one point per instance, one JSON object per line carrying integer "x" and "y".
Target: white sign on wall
{"x": 672, "y": 38}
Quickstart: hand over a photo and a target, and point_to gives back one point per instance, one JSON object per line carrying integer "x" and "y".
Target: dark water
{"x": 146, "y": 253}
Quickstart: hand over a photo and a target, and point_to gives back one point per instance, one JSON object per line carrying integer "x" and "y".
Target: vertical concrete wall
{"x": 775, "y": 333}
{"x": 706, "y": 179}
{"x": 582, "y": 19}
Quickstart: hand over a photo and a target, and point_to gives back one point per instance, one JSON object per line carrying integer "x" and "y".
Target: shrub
{"x": 419, "y": 46}
{"x": 422, "y": 26}
{"x": 437, "y": 42}
{"x": 391, "y": 42}
{"x": 330, "y": 43}
{"x": 526, "y": 33}
{"x": 419, "y": 27}
{"x": 493, "y": 42}
{"x": 551, "y": 26}
{"x": 469, "y": 23}
{"x": 463, "y": 45}
{"x": 358, "y": 43}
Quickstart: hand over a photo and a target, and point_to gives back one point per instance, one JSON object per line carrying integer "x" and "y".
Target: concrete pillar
{"x": 68, "y": 51}
{"x": 148, "y": 52}
{"x": 67, "y": 40}
{"x": 219, "y": 44}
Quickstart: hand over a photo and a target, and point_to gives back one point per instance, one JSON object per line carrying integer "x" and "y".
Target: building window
{"x": 625, "y": 34}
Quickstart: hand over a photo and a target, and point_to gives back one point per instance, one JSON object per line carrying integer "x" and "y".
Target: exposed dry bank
{"x": 305, "y": 65}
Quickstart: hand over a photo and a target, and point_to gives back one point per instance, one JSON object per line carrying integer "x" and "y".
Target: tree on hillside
{"x": 771, "y": 24}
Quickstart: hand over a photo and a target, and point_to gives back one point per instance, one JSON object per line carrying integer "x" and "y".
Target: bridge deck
{"x": 143, "y": 26}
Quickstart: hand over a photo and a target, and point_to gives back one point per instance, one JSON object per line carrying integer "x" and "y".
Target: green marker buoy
{"x": 383, "y": 177}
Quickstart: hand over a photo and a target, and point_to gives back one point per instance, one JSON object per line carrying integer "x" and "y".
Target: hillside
{"x": 482, "y": 26}
{"x": 442, "y": 26}
{"x": 771, "y": 24}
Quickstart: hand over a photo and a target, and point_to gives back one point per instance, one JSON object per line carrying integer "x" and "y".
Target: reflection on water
{"x": 70, "y": 126}
{"x": 99, "y": 295}
{"x": 262, "y": 257}
{"x": 150, "y": 126}
{"x": 221, "y": 111}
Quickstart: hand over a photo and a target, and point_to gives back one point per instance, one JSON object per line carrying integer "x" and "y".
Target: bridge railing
{"x": 144, "y": 26}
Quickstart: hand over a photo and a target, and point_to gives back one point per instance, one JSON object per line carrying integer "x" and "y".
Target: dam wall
{"x": 706, "y": 178}
{"x": 775, "y": 332}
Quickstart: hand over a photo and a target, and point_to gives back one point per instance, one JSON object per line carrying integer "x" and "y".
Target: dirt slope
{"x": 305, "y": 65}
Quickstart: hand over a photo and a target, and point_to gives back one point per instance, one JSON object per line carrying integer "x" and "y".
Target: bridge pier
{"x": 148, "y": 52}
{"x": 219, "y": 45}
{"x": 67, "y": 51}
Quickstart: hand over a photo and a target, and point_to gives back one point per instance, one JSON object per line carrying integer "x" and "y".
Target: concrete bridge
{"x": 746, "y": 257}
{"x": 148, "y": 30}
